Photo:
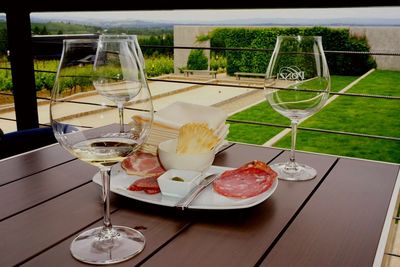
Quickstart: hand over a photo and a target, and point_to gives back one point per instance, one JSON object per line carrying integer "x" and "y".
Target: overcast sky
{"x": 215, "y": 15}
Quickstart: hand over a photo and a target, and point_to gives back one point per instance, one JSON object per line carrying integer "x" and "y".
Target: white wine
{"x": 104, "y": 151}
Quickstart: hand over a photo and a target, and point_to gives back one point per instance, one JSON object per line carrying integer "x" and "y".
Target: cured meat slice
{"x": 152, "y": 191}
{"x": 142, "y": 164}
{"x": 149, "y": 185}
{"x": 247, "y": 181}
{"x": 253, "y": 164}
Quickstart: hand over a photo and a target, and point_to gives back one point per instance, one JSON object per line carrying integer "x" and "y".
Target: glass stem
{"x": 105, "y": 176}
{"x": 293, "y": 143}
{"x": 121, "y": 116}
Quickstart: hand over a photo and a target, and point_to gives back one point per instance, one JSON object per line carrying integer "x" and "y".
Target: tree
{"x": 36, "y": 30}
{"x": 44, "y": 31}
{"x": 3, "y": 41}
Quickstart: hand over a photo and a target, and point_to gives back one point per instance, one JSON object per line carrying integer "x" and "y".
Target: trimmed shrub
{"x": 197, "y": 60}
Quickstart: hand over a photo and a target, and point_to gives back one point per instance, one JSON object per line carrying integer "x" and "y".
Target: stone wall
{"x": 380, "y": 39}
{"x": 187, "y": 36}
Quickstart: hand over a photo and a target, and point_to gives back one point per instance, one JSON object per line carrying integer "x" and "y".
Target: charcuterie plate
{"x": 208, "y": 199}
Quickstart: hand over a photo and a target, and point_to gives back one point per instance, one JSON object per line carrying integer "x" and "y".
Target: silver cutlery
{"x": 186, "y": 200}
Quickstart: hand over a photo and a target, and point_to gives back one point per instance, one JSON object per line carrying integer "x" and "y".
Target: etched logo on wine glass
{"x": 292, "y": 73}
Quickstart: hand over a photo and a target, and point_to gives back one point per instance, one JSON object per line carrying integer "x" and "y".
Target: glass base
{"x": 105, "y": 246}
{"x": 293, "y": 171}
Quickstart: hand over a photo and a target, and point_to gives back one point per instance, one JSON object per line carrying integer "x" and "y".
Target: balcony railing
{"x": 372, "y": 96}
{"x": 21, "y": 58}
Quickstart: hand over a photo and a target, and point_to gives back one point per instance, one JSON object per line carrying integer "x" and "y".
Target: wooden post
{"x": 23, "y": 75}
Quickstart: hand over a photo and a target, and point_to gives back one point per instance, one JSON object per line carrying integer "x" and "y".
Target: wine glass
{"x": 119, "y": 53}
{"x": 139, "y": 52}
{"x": 297, "y": 85}
{"x": 86, "y": 126}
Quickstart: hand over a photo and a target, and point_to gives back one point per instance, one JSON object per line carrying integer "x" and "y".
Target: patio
{"x": 220, "y": 92}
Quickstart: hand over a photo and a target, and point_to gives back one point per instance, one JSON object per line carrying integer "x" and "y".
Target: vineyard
{"x": 45, "y": 80}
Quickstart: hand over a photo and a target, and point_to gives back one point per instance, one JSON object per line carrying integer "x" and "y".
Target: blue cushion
{"x": 25, "y": 140}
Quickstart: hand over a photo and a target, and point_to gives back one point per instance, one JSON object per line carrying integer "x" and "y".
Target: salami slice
{"x": 142, "y": 164}
{"x": 247, "y": 181}
{"x": 149, "y": 185}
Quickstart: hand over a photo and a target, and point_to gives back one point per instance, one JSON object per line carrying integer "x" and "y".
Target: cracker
{"x": 196, "y": 138}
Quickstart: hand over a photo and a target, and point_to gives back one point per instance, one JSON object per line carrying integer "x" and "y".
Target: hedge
{"x": 159, "y": 65}
{"x": 265, "y": 38}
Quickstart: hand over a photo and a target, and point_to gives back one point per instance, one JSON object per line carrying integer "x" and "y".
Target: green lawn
{"x": 264, "y": 113}
{"x": 350, "y": 114}
{"x": 358, "y": 115}
{"x": 367, "y": 148}
{"x": 340, "y": 82}
{"x": 255, "y": 134}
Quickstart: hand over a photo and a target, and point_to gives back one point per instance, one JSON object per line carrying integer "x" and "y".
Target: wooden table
{"x": 340, "y": 218}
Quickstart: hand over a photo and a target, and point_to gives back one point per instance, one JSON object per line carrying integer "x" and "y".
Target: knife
{"x": 186, "y": 200}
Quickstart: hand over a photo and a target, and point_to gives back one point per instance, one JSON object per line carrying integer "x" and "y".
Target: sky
{"x": 220, "y": 15}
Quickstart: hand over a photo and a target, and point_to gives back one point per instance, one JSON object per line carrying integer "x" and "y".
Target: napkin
{"x": 180, "y": 113}
{"x": 167, "y": 121}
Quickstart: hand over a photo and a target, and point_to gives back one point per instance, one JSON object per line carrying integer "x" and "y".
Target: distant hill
{"x": 66, "y": 28}
{"x": 312, "y": 22}
{"x": 103, "y": 22}
{"x": 98, "y": 26}
{"x": 133, "y": 26}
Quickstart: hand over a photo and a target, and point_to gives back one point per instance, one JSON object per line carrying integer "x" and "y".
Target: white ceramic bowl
{"x": 178, "y": 183}
{"x": 194, "y": 162}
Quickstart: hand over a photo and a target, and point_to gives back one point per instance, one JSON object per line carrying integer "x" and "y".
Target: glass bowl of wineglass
{"x": 113, "y": 54}
{"x": 86, "y": 124}
{"x": 297, "y": 85}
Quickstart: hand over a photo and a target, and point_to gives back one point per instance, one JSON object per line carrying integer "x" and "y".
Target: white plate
{"x": 208, "y": 199}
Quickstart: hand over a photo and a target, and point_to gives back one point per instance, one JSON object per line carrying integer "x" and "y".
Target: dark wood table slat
{"x": 240, "y": 237}
{"x": 17, "y": 167}
{"x": 157, "y": 226}
{"x": 341, "y": 225}
{"x": 39, "y": 228}
{"x": 28, "y": 192}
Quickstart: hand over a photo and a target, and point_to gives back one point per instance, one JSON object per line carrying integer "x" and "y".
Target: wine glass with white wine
{"x": 87, "y": 126}
{"x": 297, "y": 84}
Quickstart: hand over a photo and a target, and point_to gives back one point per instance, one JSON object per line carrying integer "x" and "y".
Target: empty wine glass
{"x": 87, "y": 126}
{"x": 139, "y": 52}
{"x": 116, "y": 69}
{"x": 297, "y": 85}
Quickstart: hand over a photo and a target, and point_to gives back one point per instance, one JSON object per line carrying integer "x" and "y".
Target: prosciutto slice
{"x": 142, "y": 164}
{"x": 247, "y": 181}
{"x": 149, "y": 185}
